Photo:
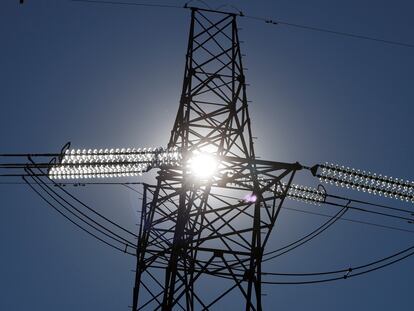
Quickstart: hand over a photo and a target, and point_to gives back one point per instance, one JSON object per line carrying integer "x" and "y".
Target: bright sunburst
{"x": 203, "y": 165}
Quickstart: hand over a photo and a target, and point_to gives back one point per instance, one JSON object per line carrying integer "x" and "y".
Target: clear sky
{"x": 110, "y": 76}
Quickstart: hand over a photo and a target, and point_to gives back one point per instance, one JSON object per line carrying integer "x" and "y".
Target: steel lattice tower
{"x": 193, "y": 228}
{"x": 202, "y": 237}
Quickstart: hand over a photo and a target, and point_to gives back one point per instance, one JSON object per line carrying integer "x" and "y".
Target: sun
{"x": 203, "y": 165}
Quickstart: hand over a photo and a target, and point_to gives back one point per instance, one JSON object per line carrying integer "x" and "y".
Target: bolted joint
{"x": 248, "y": 275}
{"x": 184, "y": 100}
{"x": 141, "y": 266}
{"x": 241, "y": 79}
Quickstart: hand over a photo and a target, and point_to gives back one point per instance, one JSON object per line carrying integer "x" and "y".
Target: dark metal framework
{"x": 201, "y": 240}
{"x": 196, "y": 230}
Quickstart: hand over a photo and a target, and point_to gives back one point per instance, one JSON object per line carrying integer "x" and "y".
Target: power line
{"x": 325, "y": 226}
{"x": 307, "y": 238}
{"x": 370, "y": 203}
{"x": 326, "y": 202}
{"x": 27, "y": 155}
{"x": 142, "y": 4}
{"x": 78, "y": 225}
{"x": 96, "y": 213}
{"x": 74, "y": 183}
{"x": 285, "y": 208}
{"x": 156, "y": 241}
{"x": 59, "y": 199}
{"x": 80, "y": 214}
{"x": 351, "y": 220}
{"x": 269, "y": 21}
{"x": 350, "y": 272}
{"x": 346, "y": 273}
{"x": 330, "y": 31}
{"x": 359, "y": 209}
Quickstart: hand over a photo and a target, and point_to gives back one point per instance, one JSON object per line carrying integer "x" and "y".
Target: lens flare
{"x": 250, "y": 198}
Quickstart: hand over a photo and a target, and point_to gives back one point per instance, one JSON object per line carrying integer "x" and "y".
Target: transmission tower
{"x": 211, "y": 212}
{"x": 189, "y": 229}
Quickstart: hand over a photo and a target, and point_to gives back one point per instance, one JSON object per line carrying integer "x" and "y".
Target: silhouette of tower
{"x": 196, "y": 228}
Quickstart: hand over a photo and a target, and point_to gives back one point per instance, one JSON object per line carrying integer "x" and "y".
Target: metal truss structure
{"x": 194, "y": 229}
{"x": 202, "y": 237}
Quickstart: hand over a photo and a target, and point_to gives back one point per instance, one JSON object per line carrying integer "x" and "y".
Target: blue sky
{"x": 108, "y": 76}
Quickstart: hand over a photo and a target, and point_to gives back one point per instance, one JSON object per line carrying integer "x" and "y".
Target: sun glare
{"x": 203, "y": 165}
